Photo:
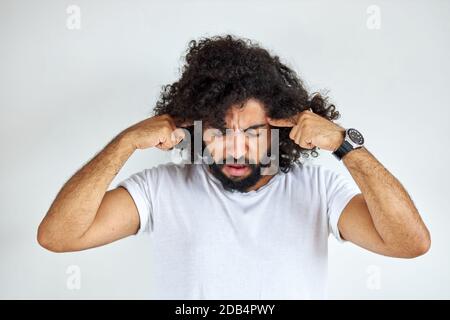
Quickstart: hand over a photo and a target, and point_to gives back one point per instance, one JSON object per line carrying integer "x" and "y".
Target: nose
{"x": 236, "y": 144}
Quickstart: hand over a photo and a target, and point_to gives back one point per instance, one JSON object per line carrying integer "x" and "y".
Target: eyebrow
{"x": 255, "y": 126}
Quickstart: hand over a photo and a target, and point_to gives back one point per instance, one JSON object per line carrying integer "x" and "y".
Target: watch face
{"x": 355, "y": 136}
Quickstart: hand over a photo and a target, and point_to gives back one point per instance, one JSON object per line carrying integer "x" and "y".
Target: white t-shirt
{"x": 210, "y": 243}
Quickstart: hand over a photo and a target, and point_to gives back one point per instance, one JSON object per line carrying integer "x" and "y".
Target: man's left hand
{"x": 310, "y": 130}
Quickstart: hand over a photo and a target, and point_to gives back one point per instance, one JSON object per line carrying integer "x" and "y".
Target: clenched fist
{"x": 158, "y": 131}
{"x": 310, "y": 130}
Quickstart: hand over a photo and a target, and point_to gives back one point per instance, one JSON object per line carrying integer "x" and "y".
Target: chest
{"x": 214, "y": 227}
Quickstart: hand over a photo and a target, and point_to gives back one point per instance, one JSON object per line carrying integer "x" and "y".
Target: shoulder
{"x": 310, "y": 170}
{"x": 171, "y": 170}
{"x": 313, "y": 174}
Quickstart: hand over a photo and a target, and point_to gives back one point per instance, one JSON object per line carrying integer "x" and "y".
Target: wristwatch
{"x": 353, "y": 140}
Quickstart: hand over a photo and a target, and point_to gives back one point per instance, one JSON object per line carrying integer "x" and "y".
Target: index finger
{"x": 283, "y": 122}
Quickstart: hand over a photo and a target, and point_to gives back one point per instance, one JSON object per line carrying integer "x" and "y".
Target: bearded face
{"x": 237, "y": 151}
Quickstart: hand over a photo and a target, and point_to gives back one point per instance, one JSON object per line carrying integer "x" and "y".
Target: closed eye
{"x": 252, "y": 133}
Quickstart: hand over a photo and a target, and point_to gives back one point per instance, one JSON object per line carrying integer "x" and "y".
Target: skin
{"x": 248, "y": 136}
{"x": 84, "y": 214}
{"x": 382, "y": 218}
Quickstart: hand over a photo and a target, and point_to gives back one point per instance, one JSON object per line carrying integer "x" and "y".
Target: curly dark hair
{"x": 221, "y": 71}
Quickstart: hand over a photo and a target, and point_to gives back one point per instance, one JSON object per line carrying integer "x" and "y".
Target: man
{"x": 226, "y": 225}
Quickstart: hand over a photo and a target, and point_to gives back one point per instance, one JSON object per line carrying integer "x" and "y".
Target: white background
{"x": 65, "y": 93}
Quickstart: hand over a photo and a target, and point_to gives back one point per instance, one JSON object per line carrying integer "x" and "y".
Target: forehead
{"x": 252, "y": 112}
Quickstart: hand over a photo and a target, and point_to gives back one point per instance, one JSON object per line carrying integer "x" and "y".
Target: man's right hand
{"x": 158, "y": 131}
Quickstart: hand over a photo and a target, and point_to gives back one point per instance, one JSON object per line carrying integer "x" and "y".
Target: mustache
{"x": 234, "y": 161}
{"x": 264, "y": 162}
{"x": 240, "y": 161}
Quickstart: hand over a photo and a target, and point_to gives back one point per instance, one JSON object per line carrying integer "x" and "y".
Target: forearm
{"x": 76, "y": 204}
{"x": 394, "y": 214}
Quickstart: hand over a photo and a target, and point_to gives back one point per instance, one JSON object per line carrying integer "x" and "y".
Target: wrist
{"x": 126, "y": 142}
{"x": 340, "y": 137}
{"x": 353, "y": 140}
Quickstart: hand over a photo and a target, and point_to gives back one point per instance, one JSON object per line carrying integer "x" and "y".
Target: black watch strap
{"x": 344, "y": 148}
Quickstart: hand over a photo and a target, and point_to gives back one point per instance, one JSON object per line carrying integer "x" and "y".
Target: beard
{"x": 237, "y": 184}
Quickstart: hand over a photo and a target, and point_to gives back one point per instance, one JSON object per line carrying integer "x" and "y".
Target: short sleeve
{"x": 138, "y": 186}
{"x": 340, "y": 190}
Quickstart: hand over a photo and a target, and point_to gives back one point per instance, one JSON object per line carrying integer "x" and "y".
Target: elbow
{"x": 419, "y": 247}
{"x": 412, "y": 247}
{"x": 43, "y": 239}
{"x": 46, "y": 241}
{"x": 423, "y": 247}
{"x": 424, "y": 244}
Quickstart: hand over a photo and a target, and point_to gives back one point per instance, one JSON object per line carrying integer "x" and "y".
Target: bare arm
{"x": 383, "y": 218}
{"x": 76, "y": 205}
{"x": 83, "y": 215}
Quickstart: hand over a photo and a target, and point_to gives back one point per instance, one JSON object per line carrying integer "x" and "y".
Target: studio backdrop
{"x": 73, "y": 74}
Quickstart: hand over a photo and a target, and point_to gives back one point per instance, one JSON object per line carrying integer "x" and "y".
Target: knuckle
{"x": 291, "y": 134}
{"x": 167, "y": 121}
{"x": 167, "y": 130}
{"x": 305, "y": 122}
